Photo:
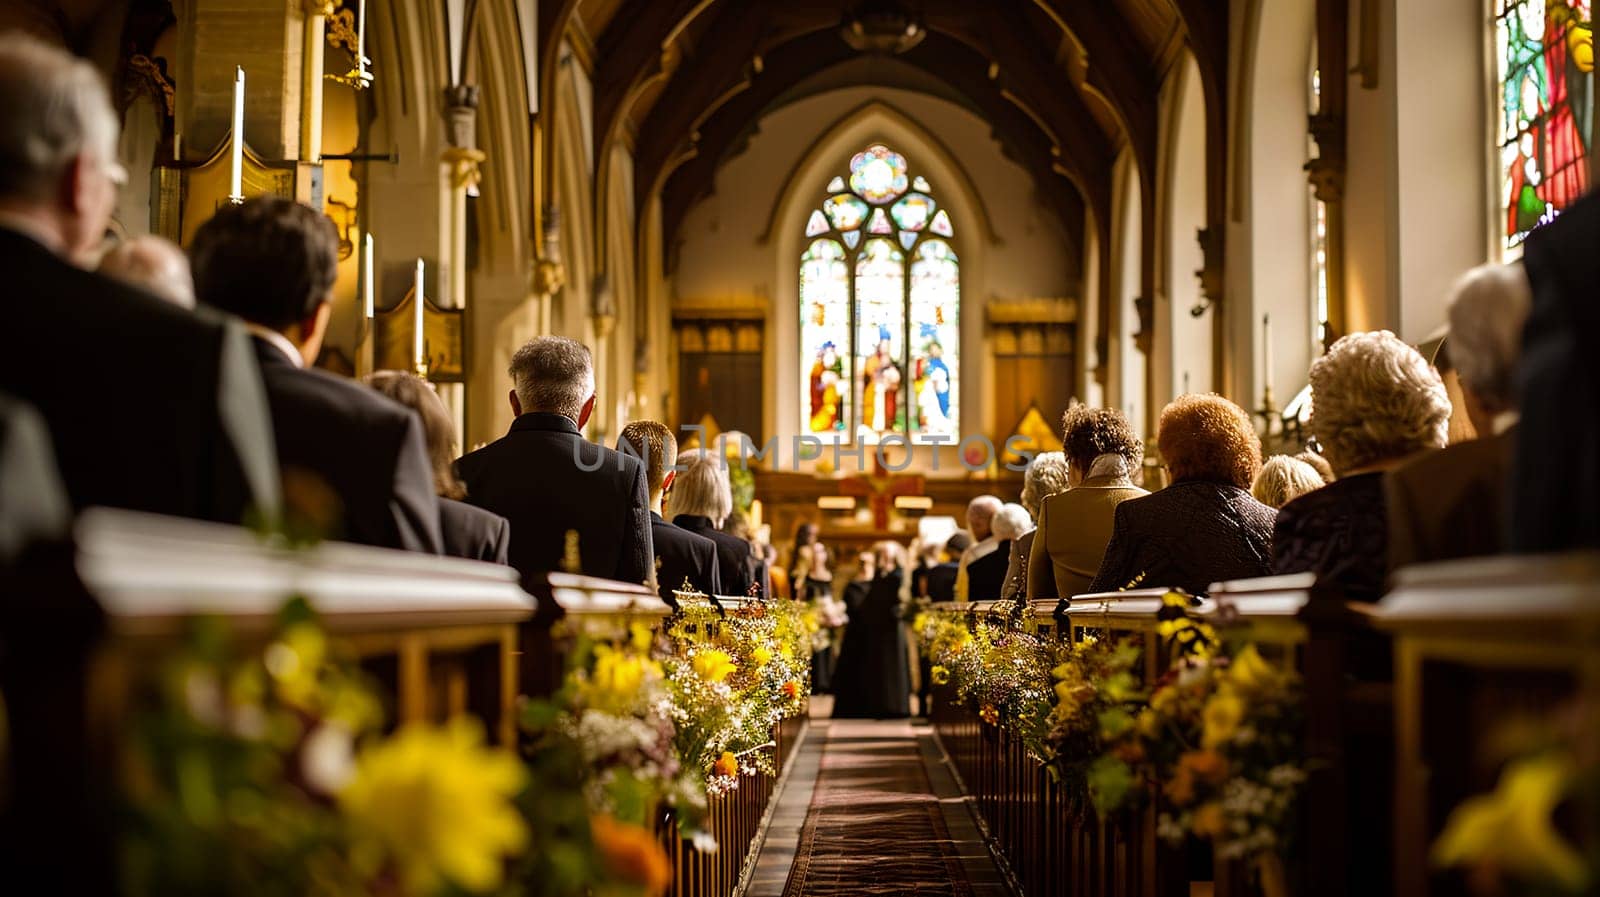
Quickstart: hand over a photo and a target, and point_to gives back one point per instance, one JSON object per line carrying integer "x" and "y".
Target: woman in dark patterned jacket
{"x": 1375, "y": 401}
{"x": 1205, "y": 527}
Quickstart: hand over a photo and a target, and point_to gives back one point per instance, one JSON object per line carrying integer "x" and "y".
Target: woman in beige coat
{"x": 1074, "y": 526}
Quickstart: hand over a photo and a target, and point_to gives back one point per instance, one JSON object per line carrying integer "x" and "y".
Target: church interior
{"x": 914, "y": 286}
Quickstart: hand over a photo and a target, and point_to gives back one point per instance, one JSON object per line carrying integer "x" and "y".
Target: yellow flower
{"x": 1249, "y": 673}
{"x": 617, "y": 677}
{"x": 1149, "y": 723}
{"x": 1221, "y": 718}
{"x": 1511, "y": 828}
{"x": 295, "y": 660}
{"x": 642, "y": 637}
{"x": 941, "y": 674}
{"x": 1208, "y": 820}
{"x": 726, "y": 766}
{"x": 438, "y": 803}
{"x": 1067, "y": 702}
{"x": 990, "y": 714}
{"x": 631, "y": 854}
{"x": 713, "y": 665}
{"x": 791, "y": 689}
{"x": 762, "y": 656}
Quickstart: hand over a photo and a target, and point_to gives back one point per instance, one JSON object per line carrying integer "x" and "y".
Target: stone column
{"x": 267, "y": 39}
{"x": 459, "y": 176}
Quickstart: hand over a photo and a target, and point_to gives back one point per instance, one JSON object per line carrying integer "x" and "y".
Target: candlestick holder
{"x": 422, "y": 368}
{"x": 1271, "y": 420}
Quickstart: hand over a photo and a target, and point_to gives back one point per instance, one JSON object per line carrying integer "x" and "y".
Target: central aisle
{"x": 871, "y": 809}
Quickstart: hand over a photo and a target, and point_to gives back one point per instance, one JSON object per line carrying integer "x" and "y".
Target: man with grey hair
{"x": 555, "y": 486}
{"x": 1451, "y": 503}
{"x": 198, "y": 442}
{"x": 980, "y": 513}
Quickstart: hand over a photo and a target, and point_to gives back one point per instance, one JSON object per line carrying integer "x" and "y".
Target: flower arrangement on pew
{"x": 1219, "y": 737}
{"x": 1095, "y": 697}
{"x": 267, "y": 772}
{"x": 733, "y": 676}
{"x": 610, "y": 729}
{"x": 1512, "y": 840}
{"x": 998, "y": 665}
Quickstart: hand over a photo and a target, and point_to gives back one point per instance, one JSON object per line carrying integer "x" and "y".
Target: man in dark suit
{"x": 550, "y": 482}
{"x": 1555, "y": 492}
{"x": 1451, "y": 503}
{"x": 354, "y": 463}
{"x": 941, "y": 579}
{"x": 683, "y": 559}
{"x": 701, "y": 500}
{"x": 197, "y": 440}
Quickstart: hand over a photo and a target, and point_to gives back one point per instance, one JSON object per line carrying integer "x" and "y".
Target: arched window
{"x": 1319, "y": 234}
{"x": 880, "y": 296}
{"x": 1544, "y": 51}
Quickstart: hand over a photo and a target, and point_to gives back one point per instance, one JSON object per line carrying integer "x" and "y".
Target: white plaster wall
{"x": 1417, "y": 189}
{"x": 1089, "y": 389}
{"x": 1269, "y": 244}
{"x": 1440, "y": 64}
{"x": 1010, "y": 244}
{"x": 1127, "y": 389}
{"x": 1184, "y": 210}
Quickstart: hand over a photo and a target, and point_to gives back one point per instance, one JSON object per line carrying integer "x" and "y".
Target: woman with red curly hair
{"x": 1205, "y": 527}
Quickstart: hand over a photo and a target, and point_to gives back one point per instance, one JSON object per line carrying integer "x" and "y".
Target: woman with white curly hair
{"x": 1374, "y": 402}
{"x": 1046, "y": 475}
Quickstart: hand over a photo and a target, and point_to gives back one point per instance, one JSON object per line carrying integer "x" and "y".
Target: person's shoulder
{"x": 354, "y": 401}
{"x": 469, "y": 514}
{"x": 117, "y": 308}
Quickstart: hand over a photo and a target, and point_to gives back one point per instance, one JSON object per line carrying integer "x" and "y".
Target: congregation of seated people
{"x": 236, "y": 422}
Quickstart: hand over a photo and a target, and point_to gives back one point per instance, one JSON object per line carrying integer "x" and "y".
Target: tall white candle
{"x": 366, "y": 279}
{"x": 236, "y": 172}
{"x": 1266, "y": 351}
{"x": 416, "y": 345}
{"x": 361, "y": 38}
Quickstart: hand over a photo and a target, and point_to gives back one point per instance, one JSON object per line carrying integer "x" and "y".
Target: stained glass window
{"x": 1319, "y": 235}
{"x": 880, "y": 334}
{"x": 880, "y": 297}
{"x": 878, "y": 174}
{"x": 825, "y": 329}
{"x": 935, "y": 307}
{"x": 1545, "y": 110}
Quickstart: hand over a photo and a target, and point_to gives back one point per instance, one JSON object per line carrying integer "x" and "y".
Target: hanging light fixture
{"x": 881, "y": 26}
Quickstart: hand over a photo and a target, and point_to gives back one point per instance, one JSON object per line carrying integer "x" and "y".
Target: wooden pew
{"x": 1342, "y": 845}
{"x": 1124, "y": 855}
{"x": 85, "y": 634}
{"x": 1476, "y": 642}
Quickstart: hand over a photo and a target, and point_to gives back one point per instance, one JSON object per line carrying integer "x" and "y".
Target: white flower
{"x": 327, "y": 760}
{"x": 202, "y": 695}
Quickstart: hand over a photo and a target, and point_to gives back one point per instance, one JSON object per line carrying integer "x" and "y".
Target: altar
{"x": 853, "y": 512}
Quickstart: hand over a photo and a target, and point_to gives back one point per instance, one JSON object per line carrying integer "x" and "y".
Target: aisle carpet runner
{"x": 875, "y": 826}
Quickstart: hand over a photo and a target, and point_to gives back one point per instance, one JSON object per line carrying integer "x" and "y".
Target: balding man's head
{"x": 156, "y": 265}
{"x": 980, "y": 511}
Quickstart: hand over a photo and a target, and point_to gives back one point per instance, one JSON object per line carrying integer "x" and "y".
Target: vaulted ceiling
{"x": 1063, "y": 84}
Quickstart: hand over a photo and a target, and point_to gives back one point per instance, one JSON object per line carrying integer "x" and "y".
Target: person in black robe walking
{"x": 814, "y": 584}
{"x": 873, "y": 677}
